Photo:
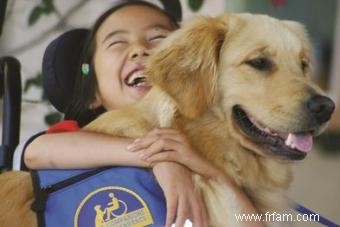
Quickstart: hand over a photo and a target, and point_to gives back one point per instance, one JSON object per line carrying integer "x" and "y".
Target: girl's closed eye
{"x": 157, "y": 38}
{"x": 157, "y": 35}
{"x": 116, "y": 43}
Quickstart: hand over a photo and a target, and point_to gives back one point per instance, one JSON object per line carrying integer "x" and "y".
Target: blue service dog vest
{"x": 105, "y": 197}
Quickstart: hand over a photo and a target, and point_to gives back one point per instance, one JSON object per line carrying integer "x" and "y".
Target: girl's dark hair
{"x": 85, "y": 85}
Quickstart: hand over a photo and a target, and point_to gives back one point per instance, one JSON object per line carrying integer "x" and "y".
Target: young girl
{"x": 112, "y": 77}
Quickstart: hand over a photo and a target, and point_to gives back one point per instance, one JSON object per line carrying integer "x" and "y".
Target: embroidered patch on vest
{"x": 112, "y": 206}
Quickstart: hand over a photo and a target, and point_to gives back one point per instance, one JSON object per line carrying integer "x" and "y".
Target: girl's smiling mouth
{"x": 136, "y": 79}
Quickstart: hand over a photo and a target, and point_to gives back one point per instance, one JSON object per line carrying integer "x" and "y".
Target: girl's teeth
{"x": 134, "y": 76}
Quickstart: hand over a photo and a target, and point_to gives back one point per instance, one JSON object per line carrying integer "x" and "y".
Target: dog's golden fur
{"x": 16, "y": 198}
{"x": 199, "y": 74}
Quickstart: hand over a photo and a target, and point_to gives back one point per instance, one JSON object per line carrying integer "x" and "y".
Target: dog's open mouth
{"x": 287, "y": 145}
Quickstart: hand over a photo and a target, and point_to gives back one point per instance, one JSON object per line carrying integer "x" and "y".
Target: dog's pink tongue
{"x": 301, "y": 142}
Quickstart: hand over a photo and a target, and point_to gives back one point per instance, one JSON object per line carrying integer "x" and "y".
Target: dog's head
{"x": 255, "y": 70}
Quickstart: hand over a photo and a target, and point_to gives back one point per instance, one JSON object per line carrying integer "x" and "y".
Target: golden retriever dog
{"x": 239, "y": 86}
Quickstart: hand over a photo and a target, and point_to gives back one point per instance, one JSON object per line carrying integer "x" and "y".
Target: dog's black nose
{"x": 321, "y": 108}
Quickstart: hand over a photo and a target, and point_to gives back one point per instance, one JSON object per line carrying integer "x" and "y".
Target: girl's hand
{"x": 183, "y": 200}
{"x": 164, "y": 144}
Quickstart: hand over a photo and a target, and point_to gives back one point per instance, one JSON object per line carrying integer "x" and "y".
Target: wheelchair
{"x": 10, "y": 79}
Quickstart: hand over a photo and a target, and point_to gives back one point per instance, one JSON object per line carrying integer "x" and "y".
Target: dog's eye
{"x": 262, "y": 64}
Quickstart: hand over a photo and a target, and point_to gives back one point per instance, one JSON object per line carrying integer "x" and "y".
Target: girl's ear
{"x": 185, "y": 64}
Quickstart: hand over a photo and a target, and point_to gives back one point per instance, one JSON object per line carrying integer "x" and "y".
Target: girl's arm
{"x": 79, "y": 150}
{"x": 183, "y": 201}
{"x": 88, "y": 150}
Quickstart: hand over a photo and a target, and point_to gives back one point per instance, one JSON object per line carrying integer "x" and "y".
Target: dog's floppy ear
{"x": 185, "y": 64}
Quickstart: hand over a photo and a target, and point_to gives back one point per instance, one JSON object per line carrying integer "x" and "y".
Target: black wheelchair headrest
{"x": 60, "y": 65}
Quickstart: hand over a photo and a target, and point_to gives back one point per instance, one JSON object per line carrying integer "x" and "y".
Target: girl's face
{"x": 123, "y": 43}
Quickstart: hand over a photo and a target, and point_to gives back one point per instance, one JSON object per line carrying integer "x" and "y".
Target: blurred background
{"x": 30, "y": 25}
